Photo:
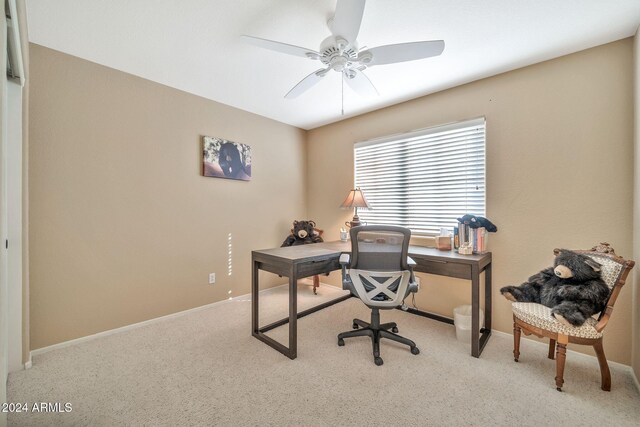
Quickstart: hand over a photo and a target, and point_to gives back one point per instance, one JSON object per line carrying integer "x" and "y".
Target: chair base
{"x": 376, "y": 331}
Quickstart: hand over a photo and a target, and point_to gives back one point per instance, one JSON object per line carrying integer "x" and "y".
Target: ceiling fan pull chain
{"x": 342, "y": 85}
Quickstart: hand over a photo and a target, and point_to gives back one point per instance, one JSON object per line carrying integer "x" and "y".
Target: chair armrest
{"x": 411, "y": 263}
{"x": 344, "y": 259}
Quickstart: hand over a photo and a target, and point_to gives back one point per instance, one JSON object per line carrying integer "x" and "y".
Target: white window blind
{"x": 423, "y": 180}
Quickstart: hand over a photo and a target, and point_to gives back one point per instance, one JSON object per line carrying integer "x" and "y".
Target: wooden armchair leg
{"x": 561, "y": 355}
{"x": 604, "y": 366}
{"x": 316, "y": 283}
{"x": 552, "y": 349}
{"x": 516, "y": 340}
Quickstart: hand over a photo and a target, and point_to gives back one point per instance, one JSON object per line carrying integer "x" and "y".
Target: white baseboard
{"x": 573, "y": 353}
{"x": 29, "y": 363}
{"x": 64, "y": 344}
{"x": 635, "y": 379}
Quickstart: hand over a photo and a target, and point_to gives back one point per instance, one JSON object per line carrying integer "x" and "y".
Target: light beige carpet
{"x": 205, "y": 369}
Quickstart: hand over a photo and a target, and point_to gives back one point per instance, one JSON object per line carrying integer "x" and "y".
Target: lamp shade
{"x": 355, "y": 199}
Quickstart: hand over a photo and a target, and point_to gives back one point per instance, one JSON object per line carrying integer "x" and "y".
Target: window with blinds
{"x": 423, "y": 180}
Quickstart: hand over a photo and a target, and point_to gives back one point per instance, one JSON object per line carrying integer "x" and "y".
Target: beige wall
{"x": 123, "y": 227}
{"x": 559, "y": 169}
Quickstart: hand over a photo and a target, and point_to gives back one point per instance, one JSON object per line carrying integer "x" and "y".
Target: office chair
{"x": 379, "y": 272}
{"x": 531, "y": 318}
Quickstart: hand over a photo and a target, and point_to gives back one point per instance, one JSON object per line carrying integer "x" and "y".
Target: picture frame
{"x": 226, "y": 159}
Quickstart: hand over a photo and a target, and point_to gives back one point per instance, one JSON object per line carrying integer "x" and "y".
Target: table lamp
{"x": 355, "y": 199}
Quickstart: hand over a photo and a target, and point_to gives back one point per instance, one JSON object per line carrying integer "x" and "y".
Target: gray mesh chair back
{"x": 379, "y": 273}
{"x": 383, "y": 248}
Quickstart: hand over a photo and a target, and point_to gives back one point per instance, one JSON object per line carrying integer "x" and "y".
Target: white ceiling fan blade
{"x": 306, "y": 83}
{"x": 347, "y": 19}
{"x": 360, "y": 83}
{"x": 281, "y": 47}
{"x": 402, "y": 52}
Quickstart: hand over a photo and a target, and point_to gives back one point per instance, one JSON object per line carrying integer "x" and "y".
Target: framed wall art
{"x": 226, "y": 159}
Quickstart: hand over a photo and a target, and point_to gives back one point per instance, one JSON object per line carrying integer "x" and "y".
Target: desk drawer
{"x": 307, "y": 269}
{"x": 443, "y": 268}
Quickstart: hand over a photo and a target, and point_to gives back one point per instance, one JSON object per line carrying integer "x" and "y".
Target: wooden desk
{"x": 296, "y": 262}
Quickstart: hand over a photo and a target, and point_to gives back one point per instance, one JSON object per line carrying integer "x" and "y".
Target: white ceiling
{"x": 194, "y": 45}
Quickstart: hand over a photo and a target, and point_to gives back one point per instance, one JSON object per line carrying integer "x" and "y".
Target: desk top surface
{"x": 322, "y": 250}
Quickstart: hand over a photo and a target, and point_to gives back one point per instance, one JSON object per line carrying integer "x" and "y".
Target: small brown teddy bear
{"x": 302, "y": 233}
{"x": 572, "y": 288}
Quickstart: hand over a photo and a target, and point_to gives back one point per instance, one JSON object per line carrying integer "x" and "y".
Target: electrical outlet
{"x": 212, "y": 278}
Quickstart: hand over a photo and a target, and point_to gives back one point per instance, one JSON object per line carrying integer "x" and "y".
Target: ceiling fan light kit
{"x": 339, "y": 52}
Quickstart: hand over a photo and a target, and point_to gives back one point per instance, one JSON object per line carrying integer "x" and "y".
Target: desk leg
{"x": 475, "y": 311}
{"x": 293, "y": 313}
{"x": 258, "y": 332}
{"x": 487, "y": 298}
{"x": 255, "y": 325}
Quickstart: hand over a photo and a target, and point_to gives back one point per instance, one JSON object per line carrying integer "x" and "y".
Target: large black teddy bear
{"x": 572, "y": 288}
{"x": 302, "y": 233}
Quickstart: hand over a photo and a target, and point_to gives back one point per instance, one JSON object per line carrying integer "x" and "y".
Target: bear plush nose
{"x": 302, "y": 234}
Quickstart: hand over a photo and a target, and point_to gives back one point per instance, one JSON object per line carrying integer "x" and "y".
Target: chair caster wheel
{"x": 340, "y": 342}
{"x": 515, "y": 360}
{"x": 415, "y": 350}
{"x": 378, "y": 361}
{"x": 355, "y": 326}
{"x": 394, "y": 329}
{"x": 559, "y": 389}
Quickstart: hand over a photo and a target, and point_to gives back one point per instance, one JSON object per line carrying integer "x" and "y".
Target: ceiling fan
{"x": 340, "y": 52}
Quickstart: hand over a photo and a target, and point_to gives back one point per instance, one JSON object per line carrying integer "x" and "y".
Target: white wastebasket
{"x": 462, "y": 322}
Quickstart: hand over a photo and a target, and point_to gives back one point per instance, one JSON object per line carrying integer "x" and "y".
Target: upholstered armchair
{"x": 536, "y": 319}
